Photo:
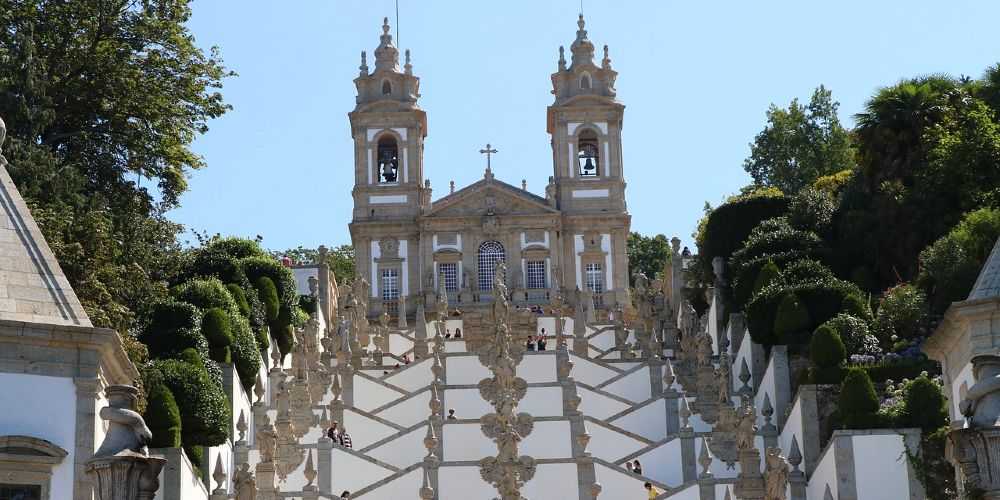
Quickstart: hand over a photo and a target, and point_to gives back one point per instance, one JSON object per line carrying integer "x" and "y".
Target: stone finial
{"x": 408, "y": 68}
{"x": 310, "y": 470}
{"x": 705, "y": 459}
{"x": 595, "y": 489}
{"x": 363, "y": 69}
{"x": 767, "y": 410}
{"x": 258, "y": 389}
{"x": 606, "y": 62}
{"x": 794, "y": 455}
{"x": 435, "y": 401}
{"x": 729, "y": 494}
{"x": 675, "y": 245}
{"x": 451, "y": 187}
{"x": 430, "y": 439}
{"x": 275, "y": 356}
{"x": 426, "y": 491}
{"x": 335, "y": 387}
{"x": 745, "y": 377}
{"x": 219, "y": 476}
{"x": 324, "y": 419}
{"x": 685, "y": 414}
{"x": 562, "y": 58}
{"x": 668, "y": 376}
{"x": 127, "y": 432}
{"x": 241, "y": 426}
{"x": 827, "y": 495}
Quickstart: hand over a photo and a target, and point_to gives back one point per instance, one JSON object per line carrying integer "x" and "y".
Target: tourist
{"x": 653, "y": 492}
{"x": 345, "y": 439}
{"x": 637, "y": 467}
{"x": 406, "y": 359}
{"x": 333, "y": 432}
{"x": 628, "y": 467}
{"x": 530, "y": 344}
{"x": 447, "y": 334}
{"x": 396, "y": 367}
{"x": 541, "y": 341}
{"x": 346, "y": 495}
{"x": 451, "y": 414}
{"x": 458, "y": 333}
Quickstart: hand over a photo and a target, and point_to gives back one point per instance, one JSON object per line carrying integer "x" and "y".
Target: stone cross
{"x": 489, "y": 151}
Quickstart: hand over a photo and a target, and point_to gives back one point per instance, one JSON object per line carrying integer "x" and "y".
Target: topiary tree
{"x": 811, "y": 210}
{"x": 858, "y": 403}
{"x": 204, "y": 409}
{"x": 240, "y": 298}
{"x": 246, "y": 357}
{"x": 773, "y": 240}
{"x": 854, "y": 333}
{"x": 792, "y": 319}
{"x": 215, "y": 326}
{"x": 268, "y": 294}
{"x": 827, "y": 353}
{"x": 768, "y": 273}
{"x": 924, "y": 405}
{"x": 724, "y": 229}
{"x": 172, "y": 327}
{"x": 163, "y": 417}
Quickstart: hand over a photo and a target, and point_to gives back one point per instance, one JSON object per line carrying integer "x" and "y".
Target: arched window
{"x": 490, "y": 252}
{"x": 585, "y": 81}
{"x": 588, "y": 158}
{"x": 388, "y": 159}
{"x": 386, "y": 87}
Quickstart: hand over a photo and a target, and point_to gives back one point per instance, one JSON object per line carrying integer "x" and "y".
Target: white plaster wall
{"x": 634, "y": 386}
{"x": 462, "y": 483}
{"x": 368, "y": 395}
{"x": 880, "y": 467}
{"x": 610, "y": 445}
{"x": 577, "y": 248}
{"x": 689, "y": 493}
{"x": 542, "y": 402}
{"x": 538, "y": 367}
{"x": 454, "y": 346}
{"x": 609, "y": 284}
{"x": 467, "y": 403}
{"x": 302, "y": 275}
{"x": 552, "y": 481}
{"x": 404, "y": 450}
{"x": 401, "y": 487}
{"x": 225, "y": 451}
{"x": 650, "y": 421}
{"x": 241, "y": 403}
{"x": 825, "y": 474}
{"x": 617, "y": 483}
{"x": 547, "y": 440}
{"x": 588, "y": 372}
{"x": 399, "y": 344}
{"x": 53, "y": 397}
{"x": 663, "y": 463}
{"x": 465, "y": 442}
{"x": 793, "y": 427}
{"x": 604, "y": 340}
{"x": 768, "y": 385}
{"x": 409, "y": 412}
{"x": 598, "y": 405}
{"x": 742, "y": 354}
{"x": 416, "y": 376}
{"x": 100, "y": 425}
{"x": 363, "y": 430}
{"x": 362, "y": 472}
{"x": 463, "y": 370}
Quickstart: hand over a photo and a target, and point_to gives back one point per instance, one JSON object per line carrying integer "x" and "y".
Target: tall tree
{"x": 647, "y": 254}
{"x": 340, "y": 260}
{"x": 102, "y": 100}
{"x": 800, "y": 144}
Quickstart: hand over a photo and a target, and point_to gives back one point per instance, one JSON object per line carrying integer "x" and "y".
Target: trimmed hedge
{"x": 773, "y": 240}
{"x": 204, "y": 409}
{"x": 240, "y": 298}
{"x": 814, "y": 287}
{"x": 217, "y": 330}
{"x": 924, "y": 405}
{"x": 307, "y": 303}
{"x": 172, "y": 327}
{"x": 163, "y": 417}
{"x": 811, "y": 210}
{"x": 728, "y": 225}
{"x": 268, "y": 294}
{"x": 858, "y": 403}
{"x": 854, "y": 333}
{"x": 791, "y": 317}
{"x": 244, "y": 352}
{"x": 827, "y": 353}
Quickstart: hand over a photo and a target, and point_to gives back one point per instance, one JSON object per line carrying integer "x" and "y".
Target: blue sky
{"x": 696, "y": 79}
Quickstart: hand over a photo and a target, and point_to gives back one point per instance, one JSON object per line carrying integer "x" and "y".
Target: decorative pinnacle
{"x": 685, "y": 413}
{"x": 241, "y": 426}
{"x": 705, "y": 459}
{"x": 385, "y": 26}
{"x": 729, "y": 495}
{"x": 581, "y": 23}
{"x": 335, "y": 387}
{"x": 363, "y": 69}
{"x": 408, "y": 68}
{"x": 430, "y": 439}
{"x": 744, "y": 375}
{"x": 219, "y": 476}
{"x": 794, "y": 455}
{"x": 595, "y": 489}
{"x": 426, "y": 491}
{"x": 562, "y": 58}
{"x": 310, "y": 471}
{"x": 258, "y": 389}
{"x": 606, "y": 62}
{"x": 767, "y": 410}
{"x": 668, "y": 376}
{"x": 275, "y": 356}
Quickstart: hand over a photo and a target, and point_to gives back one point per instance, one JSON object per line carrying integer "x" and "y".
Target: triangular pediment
{"x": 490, "y": 197}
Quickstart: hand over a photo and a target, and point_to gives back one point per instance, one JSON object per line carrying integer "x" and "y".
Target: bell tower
{"x": 585, "y": 123}
{"x": 389, "y": 130}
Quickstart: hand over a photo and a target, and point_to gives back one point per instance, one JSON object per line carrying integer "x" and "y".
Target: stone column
{"x": 580, "y": 346}
{"x": 420, "y": 331}
{"x": 670, "y": 397}
{"x": 324, "y": 459}
{"x": 688, "y": 468}
{"x": 796, "y": 478}
{"x": 87, "y": 390}
{"x": 706, "y": 480}
{"x": 769, "y": 431}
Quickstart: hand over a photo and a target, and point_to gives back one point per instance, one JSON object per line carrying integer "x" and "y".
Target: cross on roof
{"x": 489, "y": 151}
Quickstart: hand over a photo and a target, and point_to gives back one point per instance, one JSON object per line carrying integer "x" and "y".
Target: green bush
{"x": 284, "y": 280}
{"x": 216, "y": 327}
{"x": 204, "y": 409}
{"x": 811, "y": 210}
{"x": 286, "y": 340}
{"x": 949, "y": 266}
{"x": 269, "y": 297}
{"x": 901, "y": 312}
{"x": 220, "y": 259}
{"x": 924, "y": 405}
{"x": 205, "y": 293}
{"x": 856, "y": 306}
{"x": 195, "y": 454}
{"x": 163, "y": 417}
{"x": 791, "y": 318}
{"x": 773, "y": 240}
{"x": 854, "y": 333}
{"x": 245, "y": 355}
{"x": 858, "y": 403}
{"x": 307, "y": 303}
{"x": 172, "y": 327}
{"x": 768, "y": 273}
{"x": 240, "y": 298}
{"x": 727, "y": 226}
{"x": 827, "y": 354}
{"x": 898, "y": 369}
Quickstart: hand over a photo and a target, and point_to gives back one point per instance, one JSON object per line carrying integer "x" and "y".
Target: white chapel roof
{"x": 33, "y": 287}
{"x": 988, "y": 284}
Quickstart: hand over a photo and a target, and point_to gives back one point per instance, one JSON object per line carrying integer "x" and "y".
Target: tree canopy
{"x": 647, "y": 254}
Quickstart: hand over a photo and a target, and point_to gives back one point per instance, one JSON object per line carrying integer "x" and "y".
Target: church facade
{"x": 572, "y": 237}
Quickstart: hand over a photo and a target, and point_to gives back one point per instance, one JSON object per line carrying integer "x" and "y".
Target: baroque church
{"x": 408, "y": 245}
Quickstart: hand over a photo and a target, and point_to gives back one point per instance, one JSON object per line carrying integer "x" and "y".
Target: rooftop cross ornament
{"x": 489, "y": 151}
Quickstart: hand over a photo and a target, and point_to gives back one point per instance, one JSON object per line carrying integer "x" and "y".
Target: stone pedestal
{"x": 750, "y": 482}
{"x": 265, "y": 481}
{"x": 125, "y": 477}
{"x": 974, "y": 451}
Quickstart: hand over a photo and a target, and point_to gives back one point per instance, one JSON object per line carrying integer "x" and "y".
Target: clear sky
{"x": 696, "y": 79}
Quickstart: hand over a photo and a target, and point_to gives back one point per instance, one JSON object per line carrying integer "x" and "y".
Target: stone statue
{"x": 725, "y": 383}
{"x": 244, "y": 484}
{"x": 775, "y": 475}
{"x": 747, "y": 428}
{"x": 267, "y": 439}
{"x": 127, "y": 432}
{"x": 981, "y": 405}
